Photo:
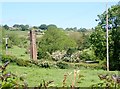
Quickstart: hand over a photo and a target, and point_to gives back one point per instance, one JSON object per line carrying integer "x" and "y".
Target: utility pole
{"x": 6, "y": 43}
{"x": 107, "y": 38}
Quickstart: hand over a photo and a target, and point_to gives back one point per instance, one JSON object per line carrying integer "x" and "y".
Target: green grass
{"x": 19, "y": 33}
{"x": 18, "y": 52}
{"x": 34, "y": 75}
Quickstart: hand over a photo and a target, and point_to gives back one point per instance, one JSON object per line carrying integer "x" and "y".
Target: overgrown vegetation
{"x": 98, "y": 37}
{"x": 61, "y": 50}
{"x": 10, "y": 80}
{"x": 40, "y": 76}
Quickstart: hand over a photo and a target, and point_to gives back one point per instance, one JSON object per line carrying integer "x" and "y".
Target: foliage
{"x": 62, "y": 65}
{"x": 51, "y": 26}
{"x": 81, "y": 38}
{"x": 71, "y": 29}
{"x": 10, "y": 80}
{"x": 98, "y": 41}
{"x": 108, "y": 81}
{"x": 13, "y": 59}
{"x": 58, "y": 55}
{"x": 6, "y": 58}
{"x": 13, "y": 39}
{"x": 42, "y": 64}
{"x": 82, "y": 30}
{"x": 83, "y": 65}
{"x": 21, "y": 27}
{"x": 86, "y": 42}
{"x": 22, "y": 62}
{"x": 98, "y": 38}
{"x": 55, "y": 39}
{"x": 43, "y": 26}
{"x": 87, "y": 55}
{"x": 6, "y": 27}
{"x": 39, "y": 74}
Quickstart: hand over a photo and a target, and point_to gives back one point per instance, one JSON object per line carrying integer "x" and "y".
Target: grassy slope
{"x": 19, "y": 52}
{"x": 19, "y": 33}
{"x": 16, "y": 51}
{"x": 35, "y": 75}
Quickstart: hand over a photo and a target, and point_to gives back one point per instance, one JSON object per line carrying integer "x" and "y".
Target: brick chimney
{"x": 33, "y": 48}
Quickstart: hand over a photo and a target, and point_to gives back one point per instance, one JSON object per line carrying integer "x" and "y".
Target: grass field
{"x": 34, "y": 75}
{"x": 19, "y": 52}
{"x": 19, "y": 33}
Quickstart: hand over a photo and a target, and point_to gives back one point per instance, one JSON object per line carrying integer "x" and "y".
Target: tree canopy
{"x": 55, "y": 39}
{"x": 98, "y": 37}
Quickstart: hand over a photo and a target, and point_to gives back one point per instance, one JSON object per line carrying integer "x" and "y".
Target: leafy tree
{"x": 82, "y": 30}
{"x": 98, "y": 41}
{"x": 53, "y": 40}
{"x": 6, "y": 27}
{"x": 43, "y": 26}
{"x": 24, "y": 27}
{"x": 98, "y": 38}
{"x": 81, "y": 38}
{"x": 77, "y": 37}
{"x": 35, "y": 27}
{"x": 16, "y": 25}
{"x": 51, "y": 26}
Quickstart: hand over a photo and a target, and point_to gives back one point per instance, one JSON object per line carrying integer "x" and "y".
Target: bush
{"x": 45, "y": 65}
{"x": 13, "y": 59}
{"x": 22, "y": 62}
{"x": 88, "y": 66}
{"x": 67, "y": 59}
{"x": 10, "y": 80}
{"x": 41, "y": 63}
{"x": 71, "y": 60}
{"x": 62, "y": 65}
{"x": 87, "y": 54}
{"x": 6, "y": 58}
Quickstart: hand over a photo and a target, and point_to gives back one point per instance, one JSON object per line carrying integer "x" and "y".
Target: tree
{"x": 6, "y": 27}
{"x": 82, "y": 30}
{"x": 16, "y": 25}
{"x": 98, "y": 41}
{"x": 51, "y": 26}
{"x": 24, "y": 27}
{"x": 35, "y": 27}
{"x": 98, "y": 38}
{"x": 53, "y": 40}
{"x": 43, "y": 26}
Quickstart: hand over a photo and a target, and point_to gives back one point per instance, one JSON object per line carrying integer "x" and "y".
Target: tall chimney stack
{"x": 33, "y": 48}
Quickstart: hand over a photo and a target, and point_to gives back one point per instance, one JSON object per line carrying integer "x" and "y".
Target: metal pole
{"x": 107, "y": 38}
{"x": 6, "y": 43}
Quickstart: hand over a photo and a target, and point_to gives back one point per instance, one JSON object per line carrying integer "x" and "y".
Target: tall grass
{"x": 35, "y": 75}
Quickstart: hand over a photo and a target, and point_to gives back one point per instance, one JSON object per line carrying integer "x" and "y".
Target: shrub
{"x": 6, "y": 58}
{"x": 10, "y": 80}
{"x": 71, "y": 60}
{"x": 22, "y": 62}
{"x": 88, "y": 66}
{"x": 41, "y": 63}
{"x": 13, "y": 59}
{"x": 87, "y": 54}
{"x": 44, "y": 64}
{"x": 62, "y": 65}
